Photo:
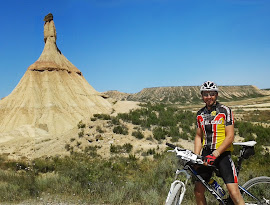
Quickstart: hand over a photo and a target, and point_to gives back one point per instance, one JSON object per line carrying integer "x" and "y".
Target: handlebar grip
{"x": 170, "y": 145}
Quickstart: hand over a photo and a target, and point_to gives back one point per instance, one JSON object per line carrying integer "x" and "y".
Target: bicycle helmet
{"x": 209, "y": 86}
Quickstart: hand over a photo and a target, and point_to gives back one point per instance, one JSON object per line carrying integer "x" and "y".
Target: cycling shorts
{"x": 225, "y": 166}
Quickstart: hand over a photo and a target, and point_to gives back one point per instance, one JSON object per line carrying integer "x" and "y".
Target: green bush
{"x": 126, "y": 148}
{"x": 138, "y": 134}
{"x": 91, "y": 151}
{"x": 81, "y": 125}
{"x": 102, "y": 116}
{"x": 120, "y": 129}
{"x": 159, "y": 133}
{"x": 81, "y": 134}
{"x": 160, "y": 115}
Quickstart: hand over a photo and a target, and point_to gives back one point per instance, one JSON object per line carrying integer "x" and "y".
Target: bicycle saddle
{"x": 249, "y": 143}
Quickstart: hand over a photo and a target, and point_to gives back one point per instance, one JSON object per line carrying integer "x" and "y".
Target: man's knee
{"x": 199, "y": 189}
{"x": 234, "y": 192}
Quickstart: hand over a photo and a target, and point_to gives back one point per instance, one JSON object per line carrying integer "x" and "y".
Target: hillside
{"x": 188, "y": 94}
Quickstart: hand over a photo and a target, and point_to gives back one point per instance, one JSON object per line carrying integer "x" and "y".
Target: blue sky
{"x": 128, "y": 45}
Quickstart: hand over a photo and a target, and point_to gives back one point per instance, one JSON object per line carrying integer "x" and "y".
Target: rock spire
{"x": 52, "y": 95}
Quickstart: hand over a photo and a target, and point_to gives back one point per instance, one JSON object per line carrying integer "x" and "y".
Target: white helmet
{"x": 209, "y": 86}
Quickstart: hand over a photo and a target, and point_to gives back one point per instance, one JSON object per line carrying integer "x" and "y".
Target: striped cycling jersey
{"x": 213, "y": 123}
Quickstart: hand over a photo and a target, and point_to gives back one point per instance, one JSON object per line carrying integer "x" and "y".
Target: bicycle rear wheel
{"x": 259, "y": 188}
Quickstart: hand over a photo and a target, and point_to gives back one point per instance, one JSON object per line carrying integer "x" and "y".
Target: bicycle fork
{"x": 182, "y": 186}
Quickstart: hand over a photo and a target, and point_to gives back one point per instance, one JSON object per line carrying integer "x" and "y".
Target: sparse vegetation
{"x": 99, "y": 129}
{"x": 256, "y": 132}
{"x": 84, "y": 176}
{"x": 81, "y": 134}
{"x": 102, "y": 116}
{"x": 81, "y": 125}
{"x": 163, "y": 120}
{"x": 126, "y": 148}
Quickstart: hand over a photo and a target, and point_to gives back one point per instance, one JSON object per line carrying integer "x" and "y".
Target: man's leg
{"x": 235, "y": 194}
{"x": 199, "y": 193}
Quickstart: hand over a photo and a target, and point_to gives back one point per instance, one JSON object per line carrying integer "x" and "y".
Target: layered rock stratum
{"x": 188, "y": 94}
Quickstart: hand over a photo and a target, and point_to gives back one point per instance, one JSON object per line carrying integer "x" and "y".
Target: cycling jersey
{"x": 213, "y": 123}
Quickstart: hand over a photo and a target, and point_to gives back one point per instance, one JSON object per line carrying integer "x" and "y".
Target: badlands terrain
{"x": 41, "y": 116}
{"x": 30, "y": 142}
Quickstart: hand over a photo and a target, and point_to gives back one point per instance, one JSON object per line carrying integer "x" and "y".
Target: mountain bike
{"x": 255, "y": 191}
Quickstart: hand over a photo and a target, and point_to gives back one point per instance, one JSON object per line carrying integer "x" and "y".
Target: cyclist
{"x": 214, "y": 136}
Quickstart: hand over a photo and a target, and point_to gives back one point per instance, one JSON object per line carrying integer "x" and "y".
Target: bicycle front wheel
{"x": 257, "y": 191}
{"x": 174, "y": 197}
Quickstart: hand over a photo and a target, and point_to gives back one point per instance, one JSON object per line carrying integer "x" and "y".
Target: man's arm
{"x": 229, "y": 138}
{"x": 198, "y": 141}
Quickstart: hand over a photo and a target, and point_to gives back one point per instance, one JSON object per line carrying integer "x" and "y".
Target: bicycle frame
{"x": 188, "y": 168}
{"x": 206, "y": 185}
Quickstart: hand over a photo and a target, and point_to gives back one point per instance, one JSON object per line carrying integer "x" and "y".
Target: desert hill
{"x": 52, "y": 95}
{"x": 50, "y": 99}
{"x": 188, "y": 94}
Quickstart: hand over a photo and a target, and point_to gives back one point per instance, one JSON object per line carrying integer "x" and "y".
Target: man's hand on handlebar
{"x": 209, "y": 159}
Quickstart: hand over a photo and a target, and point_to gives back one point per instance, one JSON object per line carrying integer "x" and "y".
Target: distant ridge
{"x": 188, "y": 94}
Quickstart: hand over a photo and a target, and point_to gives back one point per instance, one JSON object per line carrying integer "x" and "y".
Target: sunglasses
{"x": 205, "y": 94}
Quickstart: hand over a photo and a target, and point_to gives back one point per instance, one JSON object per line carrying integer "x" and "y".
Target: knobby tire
{"x": 174, "y": 197}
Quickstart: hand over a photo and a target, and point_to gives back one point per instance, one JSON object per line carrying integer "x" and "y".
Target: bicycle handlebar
{"x": 186, "y": 154}
{"x": 170, "y": 145}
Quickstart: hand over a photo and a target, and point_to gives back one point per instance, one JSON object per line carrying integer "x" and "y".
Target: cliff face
{"x": 188, "y": 94}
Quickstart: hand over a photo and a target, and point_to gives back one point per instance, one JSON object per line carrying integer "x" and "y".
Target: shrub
{"x": 81, "y": 125}
{"x": 44, "y": 166}
{"x": 120, "y": 130}
{"x": 81, "y": 133}
{"x": 115, "y": 121}
{"x": 184, "y": 136}
{"x": 67, "y": 147}
{"x": 151, "y": 152}
{"x": 126, "y": 148}
{"x": 98, "y": 129}
{"x": 138, "y": 134}
{"x": 102, "y": 116}
{"x": 91, "y": 151}
{"x": 159, "y": 133}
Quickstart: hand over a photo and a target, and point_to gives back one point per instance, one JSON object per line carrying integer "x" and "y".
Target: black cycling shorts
{"x": 225, "y": 166}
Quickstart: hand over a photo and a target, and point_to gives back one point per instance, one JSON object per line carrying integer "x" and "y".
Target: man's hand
{"x": 209, "y": 159}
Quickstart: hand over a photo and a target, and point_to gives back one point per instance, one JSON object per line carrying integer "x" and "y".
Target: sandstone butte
{"x": 50, "y": 99}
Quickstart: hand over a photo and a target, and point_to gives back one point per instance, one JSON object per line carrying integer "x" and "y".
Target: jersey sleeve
{"x": 199, "y": 119}
{"x": 229, "y": 116}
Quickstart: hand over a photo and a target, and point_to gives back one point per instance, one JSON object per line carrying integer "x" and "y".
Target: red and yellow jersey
{"x": 213, "y": 123}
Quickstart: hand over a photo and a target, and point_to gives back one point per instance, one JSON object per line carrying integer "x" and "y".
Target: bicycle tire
{"x": 174, "y": 197}
{"x": 258, "y": 187}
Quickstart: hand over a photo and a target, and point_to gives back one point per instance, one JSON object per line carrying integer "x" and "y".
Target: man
{"x": 214, "y": 136}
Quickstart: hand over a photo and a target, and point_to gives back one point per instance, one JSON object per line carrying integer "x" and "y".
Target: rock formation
{"x": 52, "y": 95}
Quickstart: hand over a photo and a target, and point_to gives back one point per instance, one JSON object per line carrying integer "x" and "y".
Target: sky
{"x": 128, "y": 45}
